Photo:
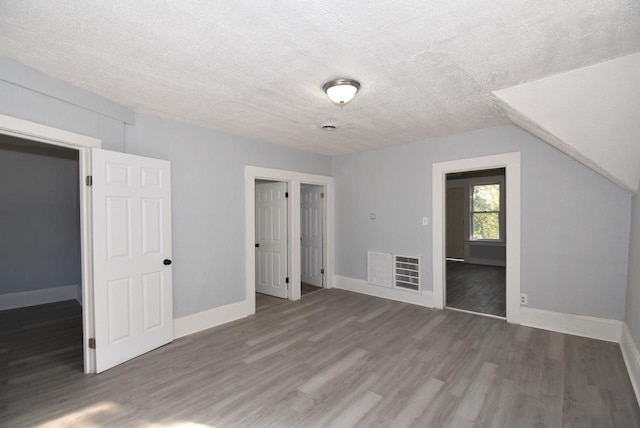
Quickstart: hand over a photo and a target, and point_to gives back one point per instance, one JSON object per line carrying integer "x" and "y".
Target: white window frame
{"x": 501, "y": 216}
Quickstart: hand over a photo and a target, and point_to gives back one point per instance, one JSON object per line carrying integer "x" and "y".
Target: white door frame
{"x": 511, "y": 162}
{"x": 253, "y": 173}
{"x": 46, "y": 134}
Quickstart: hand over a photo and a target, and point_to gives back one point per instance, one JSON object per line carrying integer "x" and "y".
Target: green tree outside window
{"x": 486, "y": 211}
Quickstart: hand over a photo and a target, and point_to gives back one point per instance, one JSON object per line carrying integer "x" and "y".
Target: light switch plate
{"x": 425, "y": 221}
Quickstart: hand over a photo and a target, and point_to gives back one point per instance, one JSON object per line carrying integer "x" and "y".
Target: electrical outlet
{"x": 524, "y": 299}
{"x": 425, "y": 221}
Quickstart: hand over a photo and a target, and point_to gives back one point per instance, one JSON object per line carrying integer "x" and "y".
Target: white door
{"x": 311, "y": 198}
{"x": 271, "y": 239}
{"x": 131, "y": 200}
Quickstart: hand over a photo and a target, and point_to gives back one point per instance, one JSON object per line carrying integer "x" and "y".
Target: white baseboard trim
{"x": 631, "y": 357}
{"x": 578, "y": 325}
{"x": 361, "y": 286}
{"x": 210, "y": 318}
{"x": 37, "y": 297}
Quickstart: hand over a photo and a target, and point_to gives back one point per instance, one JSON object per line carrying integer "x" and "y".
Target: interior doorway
{"x": 476, "y": 241}
{"x": 40, "y": 256}
{"x": 136, "y": 314}
{"x": 293, "y": 180}
{"x": 311, "y": 238}
{"x": 512, "y": 164}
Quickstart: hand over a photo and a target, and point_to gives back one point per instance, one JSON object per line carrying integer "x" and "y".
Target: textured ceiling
{"x": 256, "y": 68}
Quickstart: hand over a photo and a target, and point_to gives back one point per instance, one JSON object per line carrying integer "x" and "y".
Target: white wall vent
{"x": 407, "y": 272}
{"x": 380, "y": 268}
{"x": 394, "y": 270}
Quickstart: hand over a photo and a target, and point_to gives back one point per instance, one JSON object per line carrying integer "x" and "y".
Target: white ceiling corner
{"x": 256, "y": 69}
{"x": 592, "y": 114}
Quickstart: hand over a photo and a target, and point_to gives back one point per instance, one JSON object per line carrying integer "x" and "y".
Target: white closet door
{"x": 271, "y": 239}
{"x": 311, "y": 234}
{"x": 131, "y": 198}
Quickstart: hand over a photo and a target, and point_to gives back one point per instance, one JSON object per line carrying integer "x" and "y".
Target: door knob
{"x": 167, "y": 262}
{"x": 257, "y": 245}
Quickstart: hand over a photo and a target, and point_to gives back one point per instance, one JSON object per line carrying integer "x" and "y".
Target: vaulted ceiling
{"x": 592, "y": 114}
{"x": 256, "y": 69}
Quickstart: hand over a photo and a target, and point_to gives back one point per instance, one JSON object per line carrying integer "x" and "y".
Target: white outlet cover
{"x": 425, "y": 221}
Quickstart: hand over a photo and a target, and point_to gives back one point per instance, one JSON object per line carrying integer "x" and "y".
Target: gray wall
{"x": 39, "y": 217}
{"x": 575, "y": 223}
{"x": 207, "y": 176}
{"x": 632, "y": 316}
{"x": 28, "y": 94}
{"x": 208, "y": 203}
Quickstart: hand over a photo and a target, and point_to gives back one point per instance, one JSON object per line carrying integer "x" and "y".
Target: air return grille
{"x": 394, "y": 270}
{"x": 380, "y": 268}
{"x": 407, "y": 272}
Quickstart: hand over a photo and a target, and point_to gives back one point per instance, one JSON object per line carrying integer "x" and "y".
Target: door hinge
{"x": 322, "y": 195}
{"x": 286, "y": 194}
{"x": 92, "y": 343}
{"x": 322, "y": 271}
{"x": 89, "y": 180}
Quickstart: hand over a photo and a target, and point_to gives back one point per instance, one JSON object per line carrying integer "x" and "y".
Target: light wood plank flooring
{"x": 334, "y": 359}
{"x": 477, "y": 288}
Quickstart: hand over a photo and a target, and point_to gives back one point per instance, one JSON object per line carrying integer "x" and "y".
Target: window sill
{"x": 495, "y": 242}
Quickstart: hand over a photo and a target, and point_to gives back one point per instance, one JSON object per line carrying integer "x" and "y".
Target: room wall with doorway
{"x": 40, "y": 221}
{"x": 207, "y": 176}
{"x": 575, "y": 223}
{"x": 208, "y": 203}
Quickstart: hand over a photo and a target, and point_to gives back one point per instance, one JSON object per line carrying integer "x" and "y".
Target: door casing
{"x": 83, "y": 144}
{"x": 294, "y": 179}
{"x": 511, "y": 163}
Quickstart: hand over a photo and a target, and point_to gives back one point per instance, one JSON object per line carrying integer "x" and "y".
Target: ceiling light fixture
{"x": 341, "y": 91}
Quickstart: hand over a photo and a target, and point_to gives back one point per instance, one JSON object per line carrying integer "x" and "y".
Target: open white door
{"x": 271, "y": 239}
{"x": 311, "y": 233}
{"x": 131, "y": 201}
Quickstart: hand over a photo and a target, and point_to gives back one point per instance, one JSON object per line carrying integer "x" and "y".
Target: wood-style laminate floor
{"x": 334, "y": 359}
{"x": 477, "y": 288}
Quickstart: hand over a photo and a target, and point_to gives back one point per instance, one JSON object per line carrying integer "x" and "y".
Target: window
{"x": 485, "y": 211}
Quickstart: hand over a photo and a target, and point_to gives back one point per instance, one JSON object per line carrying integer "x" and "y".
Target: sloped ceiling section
{"x": 592, "y": 114}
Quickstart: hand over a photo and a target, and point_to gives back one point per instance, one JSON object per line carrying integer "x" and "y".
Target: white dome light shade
{"x": 341, "y": 91}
